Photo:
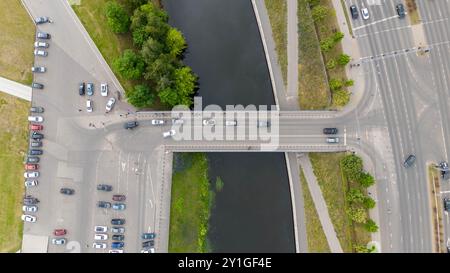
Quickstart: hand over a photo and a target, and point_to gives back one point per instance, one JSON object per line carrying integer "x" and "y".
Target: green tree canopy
{"x": 343, "y": 59}
{"x": 175, "y": 42}
{"x": 357, "y": 215}
{"x": 149, "y": 21}
{"x": 366, "y": 180}
{"x": 371, "y": 226}
{"x": 319, "y": 12}
{"x": 118, "y": 19}
{"x": 130, "y": 65}
{"x": 355, "y": 196}
{"x": 141, "y": 96}
{"x": 352, "y": 165}
{"x": 368, "y": 202}
{"x": 341, "y": 97}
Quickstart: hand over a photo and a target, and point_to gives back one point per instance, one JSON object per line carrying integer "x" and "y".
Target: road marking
{"x": 375, "y": 22}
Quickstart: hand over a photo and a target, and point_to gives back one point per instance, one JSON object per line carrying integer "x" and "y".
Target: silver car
{"x": 59, "y": 241}
{"x": 110, "y": 104}
{"x": 38, "y": 69}
{"x": 30, "y": 208}
{"x": 41, "y": 53}
{"x": 39, "y": 44}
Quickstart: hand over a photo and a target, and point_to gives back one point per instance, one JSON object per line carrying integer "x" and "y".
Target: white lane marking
{"x": 375, "y": 22}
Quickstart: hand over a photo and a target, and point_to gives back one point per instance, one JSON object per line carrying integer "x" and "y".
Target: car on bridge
{"x": 130, "y": 125}
{"x": 104, "y": 187}
{"x": 157, "y": 122}
{"x": 263, "y": 123}
{"x": 209, "y": 122}
{"x": 332, "y": 140}
{"x": 330, "y": 131}
{"x": 169, "y": 133}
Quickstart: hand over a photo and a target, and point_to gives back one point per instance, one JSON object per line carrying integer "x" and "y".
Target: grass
{"x": 412, "y": 11}
{"x": 277, "y": 10}
{"x": 190, "y": 205}
{"x": 17, "y": 37}
{"x": 347, "y": 18}
{"x": 313, "y": 87}
{"x": 436, "y": 206}
{"x": 334, "y": 186}
{"x": 317, "y": 242}
{"x": 13, "y": 146}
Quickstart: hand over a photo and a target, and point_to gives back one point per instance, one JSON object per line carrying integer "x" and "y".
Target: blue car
{"x": 117, "y": 245}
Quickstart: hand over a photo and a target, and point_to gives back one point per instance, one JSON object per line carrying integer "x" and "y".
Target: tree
{"x": 117, "y": 18}
{"x": 354, "y": 196}
{"x": 319, "y": 13}
{"x": 371, "y": 226}
{"x": 368, "y": 202}
{"x": 327, "y": 44}
{"x": 130, "y": 65}
{"x": 185, "y": 83}
{"x": 340, "y": 97}
{"x": 335, "y": 84}
{"x": 357, "y": 215}
{"x": 337, "y": 37}
{"x": 149, "y": 21}
{"x": 362, "y": 249}
{"x": 162, "y": 67}
{"x": 151, "y": 50}
{"x": 366, "y": 180}
{"x": 348, "y": 83}
{"x": 175, "y": 42}
{"x": 343, "y": 59}
{"x": 131, "y": 5}
{"x": 352, "y": 165}
{"x": 331, "y": 64}
{"x": 141, "y": 96}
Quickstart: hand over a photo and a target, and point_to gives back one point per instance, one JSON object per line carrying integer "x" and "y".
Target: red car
{"x": 36, "y": 127}
{"x": 59, "y": 232}
{"x": 118, "y": 197}
{"x": 31, "y": 166}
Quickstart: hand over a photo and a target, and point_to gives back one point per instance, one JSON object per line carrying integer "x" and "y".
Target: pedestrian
{"x": 79, "y": 110}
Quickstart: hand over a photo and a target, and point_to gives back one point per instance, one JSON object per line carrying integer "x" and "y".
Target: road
{"x": 15, "y": 89}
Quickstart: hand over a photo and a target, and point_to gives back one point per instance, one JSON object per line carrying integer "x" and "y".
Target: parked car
{"x": 36, "y": 127}
{"x": 104, "y": 89}
{"x": 118, "y": 206}
{"x": 118, "y": 197}
{"x": 67, "y": 191}
{"x": 30, "y": 183}
{"x": 332, "y": 140}
{"x": 117, "y": 244}
{"x": 117, "y": 221}
{"x": 37, "y": 85}
{"x": 43, "y": 35}
{"x": 32, "y": 159}
{"x": 354, "y": 11}
{"x": 101, "y": 237}
{"x": 115, "y": 251}
{"x": 110, "y": 104}
{"x": 38, "y": 69}
{"x": 31, "y": 174}
{"x": 41, "y": 53}
{"x": 31, "y": 208}
{"x": 150, "y": 243}
{"x": 28, "y": 218}
{"x": 177, "y": 121}
{"x": 117, "y": 229}
{"x": 100, "y": 229}
{"x": 365, "y": 13}
{"x": 41, "y": 20}
{"x": 409, "y": 161}
{"x": 37, "y": 109}
{"x": 330, "y": 131}
{"x": 36, "y": 135}
{"x": 89, "y": 107}
{"x": 118, "y": 237}
{"x": 81, "y": 88}
{"x": 104, "y": 187}
{"x": 151, "y": 235}
{"x": 90, "y": 89}
{"x": 130, "y": 125}
{"x": 103, "y": 204}
{"x": 169, "y": 133}
{"x": 231, "y": 122}
{"x": 31, "y": 167}
{"x": 99, "y": 245}
{"x": 35, "y": 152}
{"x": 447, "y": 204}
{"x": 263, "y": 123}
{"x": 35, "y": 144}
{"x": 157, "y": 122}
{"x": 30, "y": 200}
{"x": 59, "y": 241}
{"x": 209, "y": 122}
{"x": 400, "y": 10}
{"x": 35, "y": 119}
{"x": 59, "y": 232}
{"x": 39, "y": 44}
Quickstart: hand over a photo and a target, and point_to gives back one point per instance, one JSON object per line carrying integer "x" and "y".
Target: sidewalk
{"x": 16, "y": 89}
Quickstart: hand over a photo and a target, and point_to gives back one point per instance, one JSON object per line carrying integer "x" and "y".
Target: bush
{"x": 130, "y": 65}
{"x": 352, "y": 166}
{"x": 357, "y": 215}
{"x": 368, "y": 202}
{"x": 343, "y": 59}
{"x": 366, "y": 180}
{"x": 337, "y": 37}
{"x": 175, "y": 42}
{"x": 341, "y": 98}
{"x": 355, "y": 196}
{"x": 327, "y": 44}
{"x": 348, "y": 83}
{"x": 118, "y": 19}
{"x": 331, "y": 64}
{"x": 371, "y": 226}
{"x": 319, "y": 13}
{"x": 335, "y": 84}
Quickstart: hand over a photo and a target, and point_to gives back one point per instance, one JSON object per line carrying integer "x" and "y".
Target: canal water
{"x": 252, "y": 212}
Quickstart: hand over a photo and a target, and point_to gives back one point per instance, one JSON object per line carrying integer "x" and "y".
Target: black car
{"x": 30, "y": 200}
{"x": 67, "y": 191}
{"x": 43, "y": 35}
{"x": 354, "y": 11}
{"x": 35, "y": 152}
{"x": 130, "y": 124}
{"x": 37, "y": 85}
{"x": 81, "y": 89}
{"x": 330, "y": 131}
{"x": 32, "y": 159}
{"x": 409, "y": 161}
{"x": 447, "y": 204}
{"x": 150, "y": 243}
{"x": 400, "y": 10}
{"x": 118, "y": 237}
{"x": 117, "y": 221}
{"x": 36, "y": 135}
{"x": 103, "y": 204}
{"x": 36, "y": 144}
{"x": 37, "y": 109}
{"x": 104, "y": 187}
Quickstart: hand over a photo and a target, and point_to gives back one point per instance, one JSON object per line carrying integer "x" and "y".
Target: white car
{"x": 157, "y": 122}
{"x": 28, "y": 218}
{"x": 100, "y": 229}
{"x": 58, "y": 241}
{"x": 116, "y": 251}
{"x": 104, "y": 89}
{"x": 99, "y": 245}
{"x": 332, "y": 140}
{"x": 31, "y": 183}
{"x": 31, "y": 174}
{"x": 35, "y": 119}
{"x": 365, "y": 13}
{"x": 177, "y": 121}
{"x": 41, "y": 53}
{"x": 101, "y": 237}
{"x": 89, "y": 107}
{"x": 38, "y": 69}
{"x": 209, "y": 122}
{"x": 151, "y": 250}
{"x": 231, "y": 123}
{"x": 31, "y": 208}
{"x": 169, "y": 133}
{"x": 110, "y": 104}
{"x": 38, "y": 44}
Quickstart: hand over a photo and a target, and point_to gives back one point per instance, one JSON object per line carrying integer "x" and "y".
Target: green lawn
{"x": 190, "y": 204}
{"x": 16, "y": 40}
{"x": 13, "y": 146}
{"x": 317, "y": 242}
{"x": 277, "y": 10}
